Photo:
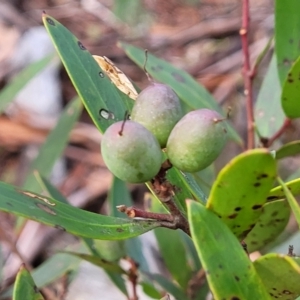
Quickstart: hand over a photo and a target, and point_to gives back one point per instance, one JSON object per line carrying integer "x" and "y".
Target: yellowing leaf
{"x": 120, "y": 80}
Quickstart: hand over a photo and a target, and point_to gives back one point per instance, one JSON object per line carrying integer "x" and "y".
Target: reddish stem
{"x": 248, "y": 74}
{"x": 133, "y": 212}
{"x": 285, "y": 125}
{"x": 133, "y": 277}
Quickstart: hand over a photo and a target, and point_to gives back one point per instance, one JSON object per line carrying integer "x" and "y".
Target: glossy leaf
{"x": 187, "y": 88}
{"x": 54, "y": 145}
{"x": 272, "y": 221}
{"x": 269, "y": 115}
{"x": 287, "y": 35}
{"x": 25, "y": 287}
{"x": 289, "y": 149}
{"x": 278, "y": 192}
{"x": 291, "y": 200}
{"x": 241, "y": 188}
{"x": 91, "y": 83}
{"x": 76, "y": 221}
{"x": 229, "y": 271}
{"x": 290, "y": 97}
{"x": 280, "y": 275}
{"x": 8, "y": 93}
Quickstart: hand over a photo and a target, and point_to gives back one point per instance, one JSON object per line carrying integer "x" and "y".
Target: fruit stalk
{"x": 248, "y": 75}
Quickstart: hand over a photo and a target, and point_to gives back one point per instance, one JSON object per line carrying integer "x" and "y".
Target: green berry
{"x": 158, "y": 109}
{"x": 197, "y": 140}
{"x": 131, "y": 152}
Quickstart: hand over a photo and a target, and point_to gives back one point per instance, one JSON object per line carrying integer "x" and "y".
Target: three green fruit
{"x": 132, "y": 149}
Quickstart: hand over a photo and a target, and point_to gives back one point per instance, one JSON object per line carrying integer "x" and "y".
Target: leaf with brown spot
{"x": 74, "y": 220}
{"x": 236, "y": 186}
{"x": 230, "y": 273}
{"x": 260, "y": 236}
{"x": 280, "y": 275}
{"x": 290, "y": 92}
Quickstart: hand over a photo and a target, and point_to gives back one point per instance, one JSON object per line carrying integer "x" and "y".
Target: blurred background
{"x": 200, "y": 37}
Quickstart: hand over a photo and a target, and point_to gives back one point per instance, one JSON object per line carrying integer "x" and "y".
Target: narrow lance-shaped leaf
{"x": 120, "y": 195}
{"x": 292, "y": 201}
{"x": 76, "y": 221}
{"x": 289, "y": 149}
{"x": 20, "y": 80}
{"x": 25, "y": 287}
{"x": 278, "y": 192}
{"x": 54, "y": 145}
{"x": 229, "y": 271}
{"x": 91, "y": 83}
{"x": 269, "y": 115}
{"x": 50, "y": 270}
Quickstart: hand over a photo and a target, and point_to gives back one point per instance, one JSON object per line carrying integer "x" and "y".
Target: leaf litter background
{"x": 200, "y": 37}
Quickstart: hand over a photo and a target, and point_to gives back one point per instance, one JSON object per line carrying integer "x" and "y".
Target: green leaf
{"x": 91, "y": 83}
{"x": 25, "y": 287}
{"x": 97, "y": 261}
{"x": 174, "y": 256}
{"x": 50, "y": 270}
{"x": 291, "y": 199}
{"x": 272, "y": 221}
{"x": 290, "y": 98}
{"x": 193, "y": 94}
{"x": 186, "y": 186}
{"x": 289, "y": 149}
{"x": 287, "y": 35}
{"x": 54, "y": 145}
{"x": 49, "y": 190}
{"x": 150, "y": 290}
{"x": 269, "y": 115}
{"x": 229, "y": 271}
{"x": 12, "y": 89}
{"x": 169, "y": 286}
{"x": 280, "y": 275}
{"x": 278, "y": 192}
{"x": 119, "y": 195}
{"x": 241, "y": 188}
{"x": 74, "y": 220}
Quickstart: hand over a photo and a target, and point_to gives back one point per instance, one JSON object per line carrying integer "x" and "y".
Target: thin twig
{"x": 248, "y": 75}
{"x": 133, "y": 277}
{"x": 133, "y": 212}
{"x": 287, "y": 122}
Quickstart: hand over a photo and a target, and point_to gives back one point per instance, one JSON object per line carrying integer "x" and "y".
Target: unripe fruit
{"x": 197, "y": 140}
{"x": 158, "y": 109}
{"x": 131, "y": 152}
